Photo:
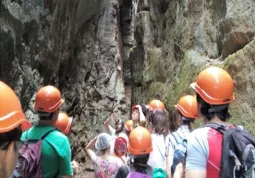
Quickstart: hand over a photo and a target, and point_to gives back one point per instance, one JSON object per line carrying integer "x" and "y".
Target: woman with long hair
{"x": 159, "y": 128}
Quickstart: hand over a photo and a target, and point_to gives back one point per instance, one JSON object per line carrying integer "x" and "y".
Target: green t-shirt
{"x": 56, "y": 151}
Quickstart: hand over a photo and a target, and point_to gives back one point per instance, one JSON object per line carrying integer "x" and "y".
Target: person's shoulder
{"x": 59, "y": 141}
{"x": 57, "y": 137}
{"x": 202, "y": 131}
{"x": 115, "y": 159}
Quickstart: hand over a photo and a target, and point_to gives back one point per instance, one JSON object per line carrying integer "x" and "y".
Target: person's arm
{"x": 179, "y": 170}
{"x": 107, "y": 126}
{"x": 65, "y": 166}
{"x": 75, "y": 167}
{"x": 141, "y": 116}
{"x": 169, "y": 160}
{"x": 89, "y": 148}
{"x": 195, "y": 173}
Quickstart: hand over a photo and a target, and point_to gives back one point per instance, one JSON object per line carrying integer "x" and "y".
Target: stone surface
{"x": 74, "y": 45}
{"x": 241, "y": 66}
{"x": 176, "y": 39}
{"x": 105, "y": 55}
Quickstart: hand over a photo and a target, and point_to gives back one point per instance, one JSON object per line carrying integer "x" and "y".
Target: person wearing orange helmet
{"x": 55, "y": 147}
{"x": 157, "y": 104}
{"x": 64, "y": 123}
{"x": 25, "y": 126}
{"x": 11, "y": 119}
{"x": 159, "y": 128}
{"x": 154, "y": 105}
{"x": 139, "y": 147}
{"x": 214, "y": 89}
{"x": 187, "y": 112}
{"x": 128, "y": 126}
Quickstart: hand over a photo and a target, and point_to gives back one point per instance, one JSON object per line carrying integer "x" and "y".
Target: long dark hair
{"x": 160, "y": 122}
{"x": 172, "y": 117}
{"x": 8, "y": 151}
{"x": 13, "y": 135}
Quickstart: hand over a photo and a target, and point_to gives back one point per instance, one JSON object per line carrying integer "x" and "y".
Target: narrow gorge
{"x": 106, "y": 55}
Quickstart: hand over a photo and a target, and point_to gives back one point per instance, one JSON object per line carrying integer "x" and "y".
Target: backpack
{"x": 238, "y": 152}
{"x": 137, "y": 175}
{"x": 29, "y": 159}
{"x": 179, "y": 150}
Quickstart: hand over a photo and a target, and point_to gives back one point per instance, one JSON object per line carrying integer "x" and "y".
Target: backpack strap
{"x": 42, "y": 137}
{"x": 220, "y": 128}
{"x": 177, "y": 140}
{"x": 47, "y": 133}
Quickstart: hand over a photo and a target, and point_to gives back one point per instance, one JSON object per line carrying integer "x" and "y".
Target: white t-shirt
{"x": 158, "y": 155}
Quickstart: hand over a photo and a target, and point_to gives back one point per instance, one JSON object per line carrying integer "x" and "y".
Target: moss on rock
{"x": 241, "y": 67}
{"x": 187, "y": 74}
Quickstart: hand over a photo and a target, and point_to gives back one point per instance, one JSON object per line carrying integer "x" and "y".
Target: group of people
{"x": 151, "y": 144}
{"x": 53, "y": 158}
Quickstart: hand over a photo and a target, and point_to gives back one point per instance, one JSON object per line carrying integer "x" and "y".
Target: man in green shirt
{"x": 56, "y": 151}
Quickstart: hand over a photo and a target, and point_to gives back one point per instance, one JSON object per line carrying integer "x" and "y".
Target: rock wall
{"x": 176, "y": 39}
{"x": 75, "y": 45}
{"x": 106, "y": 54}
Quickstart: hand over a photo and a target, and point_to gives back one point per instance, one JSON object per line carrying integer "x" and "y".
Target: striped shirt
{"x": 182, "y": 132}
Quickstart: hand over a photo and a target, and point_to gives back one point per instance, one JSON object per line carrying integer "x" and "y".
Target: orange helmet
{"x": 140, "y": 142}
{"x": 11, "y": 114}
{"x": 215, "y": 86}
{"x": 25, "y": 126}
{"x": 128, "y": 125}
{"x": 157, "y": 104}
{"x": 187, "y": 105}
{"x": 63, "y": 123}
{"x": 48, "y": 99}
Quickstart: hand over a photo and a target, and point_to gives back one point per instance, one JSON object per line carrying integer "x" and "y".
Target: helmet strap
{"x": 217, "y": 108}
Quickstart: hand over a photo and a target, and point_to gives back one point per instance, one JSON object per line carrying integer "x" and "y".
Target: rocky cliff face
{"x": 176, "y": 39}
{"x": 104, "y": 54}
{"x": 75, "y": 45}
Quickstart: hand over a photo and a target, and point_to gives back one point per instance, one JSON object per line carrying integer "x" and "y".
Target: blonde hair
{"x": 8, "y": 160}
